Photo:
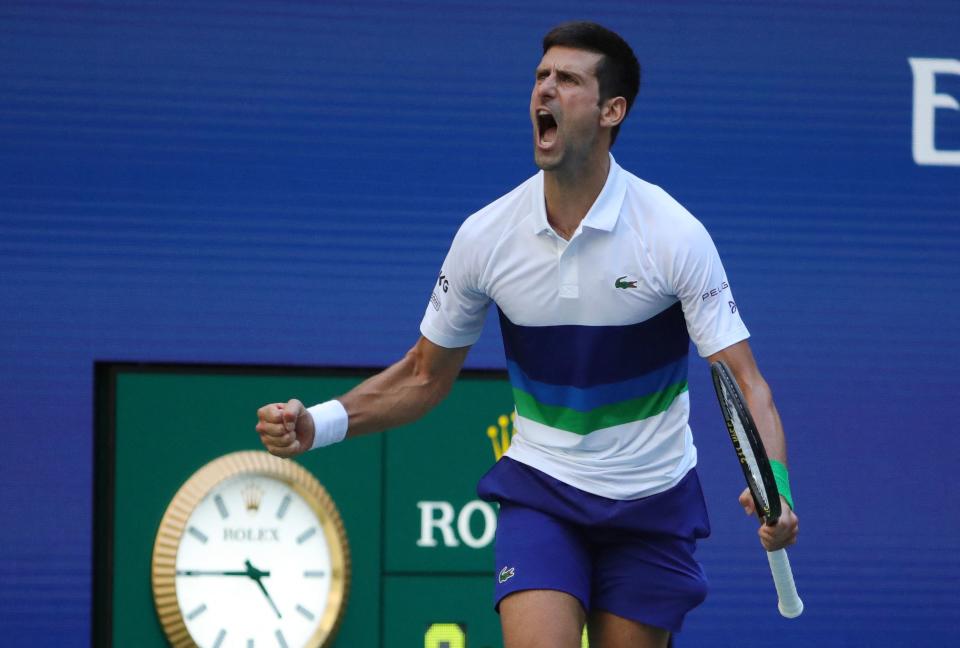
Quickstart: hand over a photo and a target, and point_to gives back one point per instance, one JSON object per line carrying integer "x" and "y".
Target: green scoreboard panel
{"x": 420, "y": 540}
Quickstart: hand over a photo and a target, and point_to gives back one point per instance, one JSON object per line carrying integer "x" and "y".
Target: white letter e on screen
{"x": 925, "y": 104}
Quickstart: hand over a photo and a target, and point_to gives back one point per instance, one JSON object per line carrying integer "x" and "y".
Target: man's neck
{"x": 569, "y": 193}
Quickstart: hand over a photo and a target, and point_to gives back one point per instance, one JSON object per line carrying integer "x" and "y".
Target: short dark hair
{"x": 618, "y": 72}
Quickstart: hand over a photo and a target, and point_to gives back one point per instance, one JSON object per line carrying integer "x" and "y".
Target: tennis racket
{"x": 760, "y": 481}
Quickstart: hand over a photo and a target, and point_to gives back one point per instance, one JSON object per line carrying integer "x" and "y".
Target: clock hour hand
{"x": 256, "y": 575}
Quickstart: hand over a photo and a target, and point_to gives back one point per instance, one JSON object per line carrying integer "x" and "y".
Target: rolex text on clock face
{"x": 253, "y": 567}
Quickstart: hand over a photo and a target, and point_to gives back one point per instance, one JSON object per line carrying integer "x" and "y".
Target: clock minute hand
{"x": 256, "y": 575}
{"x": 201, "y": 572}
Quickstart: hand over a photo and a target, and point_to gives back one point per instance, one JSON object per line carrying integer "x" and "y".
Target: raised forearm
{"x": 403, "y": 392}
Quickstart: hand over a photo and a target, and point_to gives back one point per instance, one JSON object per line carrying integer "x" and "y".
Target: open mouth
{"x": 546, "y": 128}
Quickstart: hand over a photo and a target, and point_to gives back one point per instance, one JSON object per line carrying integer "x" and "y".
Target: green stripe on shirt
{"x": 571, "y": 420}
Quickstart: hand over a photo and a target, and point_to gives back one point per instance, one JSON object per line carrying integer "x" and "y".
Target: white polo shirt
{"x": 596, "y": 329}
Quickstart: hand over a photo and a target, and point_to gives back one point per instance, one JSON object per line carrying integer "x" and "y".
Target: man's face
{"x": 564, "y": 107}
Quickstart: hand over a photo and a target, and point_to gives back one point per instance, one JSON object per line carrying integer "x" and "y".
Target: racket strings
{"x": 745, "y": 450}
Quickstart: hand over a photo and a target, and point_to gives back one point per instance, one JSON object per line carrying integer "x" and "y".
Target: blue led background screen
{"x": 277, "y": 183}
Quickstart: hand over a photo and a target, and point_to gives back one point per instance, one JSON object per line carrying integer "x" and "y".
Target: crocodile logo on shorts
{"x": 506, "y": 574}
{"x": 622, "y": 283}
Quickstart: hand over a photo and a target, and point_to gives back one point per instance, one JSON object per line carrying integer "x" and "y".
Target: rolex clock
{"x": 251, "y": 552}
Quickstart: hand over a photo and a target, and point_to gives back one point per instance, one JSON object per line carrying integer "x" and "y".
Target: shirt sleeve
{"x": 701, "y": 284}
{"x": 457, "y": 309}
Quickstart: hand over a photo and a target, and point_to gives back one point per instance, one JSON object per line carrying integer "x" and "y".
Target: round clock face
{"x": 259, "y": 558}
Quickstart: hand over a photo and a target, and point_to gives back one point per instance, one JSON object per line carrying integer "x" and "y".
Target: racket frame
{"x": 789, "y": 603}
{"x": 723, "y": 381}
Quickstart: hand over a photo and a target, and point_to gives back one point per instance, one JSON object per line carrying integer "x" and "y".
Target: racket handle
{"x": 790, "y": 604}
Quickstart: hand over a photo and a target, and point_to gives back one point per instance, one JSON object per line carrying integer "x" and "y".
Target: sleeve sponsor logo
{"x": 713, "y": 292}
{"x": 443, "y": 284}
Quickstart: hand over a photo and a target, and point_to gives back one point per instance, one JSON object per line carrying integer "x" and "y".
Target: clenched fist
{"x": 286, "y": 429}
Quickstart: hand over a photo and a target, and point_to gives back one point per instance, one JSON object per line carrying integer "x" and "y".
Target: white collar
{"x": 604, "y": 212}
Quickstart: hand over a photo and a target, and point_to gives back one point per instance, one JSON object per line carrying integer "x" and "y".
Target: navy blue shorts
{"x": 633, "y": 558}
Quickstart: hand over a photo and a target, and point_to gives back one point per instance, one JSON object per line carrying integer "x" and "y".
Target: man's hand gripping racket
{"x": 760, "y": 479}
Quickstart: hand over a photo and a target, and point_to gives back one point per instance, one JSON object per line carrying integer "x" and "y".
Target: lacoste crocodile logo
{"x": 620, "y": 283}
{"x": 506, "y": 574}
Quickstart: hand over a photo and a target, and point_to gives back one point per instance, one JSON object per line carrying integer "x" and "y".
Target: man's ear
{"x": 613, "y": 111}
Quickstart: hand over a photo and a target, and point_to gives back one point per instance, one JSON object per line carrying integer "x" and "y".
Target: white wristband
{"x": 329, "y": 423}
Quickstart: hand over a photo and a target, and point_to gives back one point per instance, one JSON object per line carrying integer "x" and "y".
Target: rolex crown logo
{"x": 501, "y": 433}
{"x": 252, "y": 496}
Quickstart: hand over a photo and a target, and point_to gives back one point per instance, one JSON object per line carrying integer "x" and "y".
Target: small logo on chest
{"x": 623, "y": 283}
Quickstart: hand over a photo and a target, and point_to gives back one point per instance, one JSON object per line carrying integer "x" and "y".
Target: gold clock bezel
{"x": 173, "y": 525}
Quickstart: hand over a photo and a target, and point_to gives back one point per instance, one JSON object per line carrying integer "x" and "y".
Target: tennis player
{"x": 601, "y": 281}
